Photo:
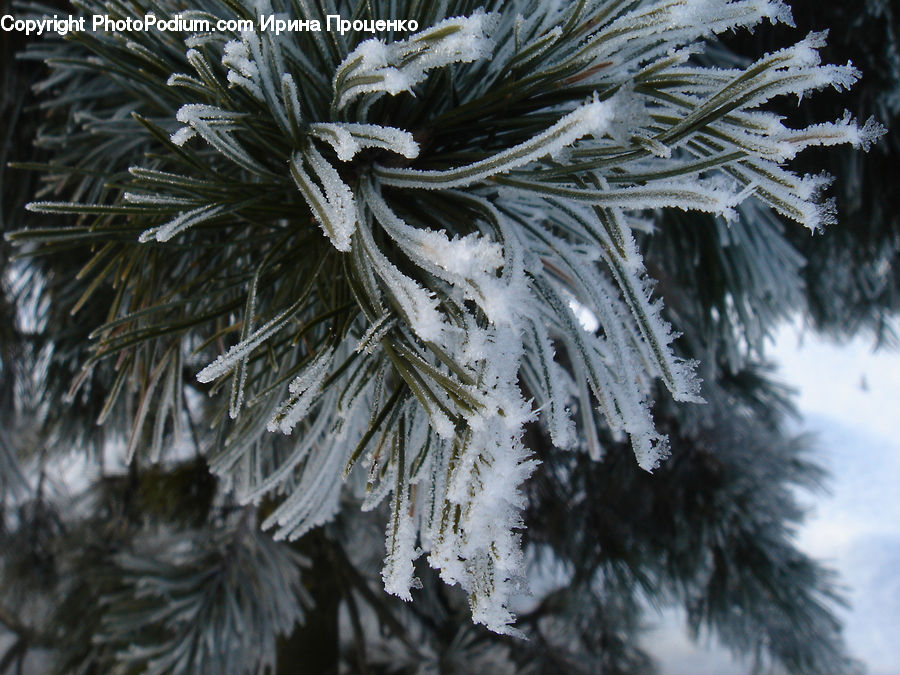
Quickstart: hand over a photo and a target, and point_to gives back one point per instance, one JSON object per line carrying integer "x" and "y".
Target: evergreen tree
{"x": 395, "y": 299}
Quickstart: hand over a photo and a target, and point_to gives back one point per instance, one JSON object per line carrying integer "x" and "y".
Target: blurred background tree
{"x": 156, "y": 568}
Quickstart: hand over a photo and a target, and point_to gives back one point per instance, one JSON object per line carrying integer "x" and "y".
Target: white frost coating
{"x": 695, "y": 13}
{"x": 304, "y": 389}
{"x": 480, "y": 550}
{"x": 616, "y": 247}
{"x": 305, "y": 444}
{"x": 339, "y": 197}
{"x": 454, "y": 259}
{"x": 470, "y": 263}
{"x": 349, "y": 139}
{"x": 262, "y": 51}
{"x": 239, "y": 381}
{"x": 485, "y": 485}
{"x": 158, "y": 200}
{"x": 242, "y": 70}
{"x": 711, "y": 196}
{"x": 214, "y": 125}
{"x": 613, "y": 366}
{"x": 442, "y": 425}
{"x": 183, "y": 135}
{"x": 590, "y": 118}
{"x": 224, "y": 363}
{"x": 376, "y": 67}
{"x": 192, "y": 112}
{"x": 374, "y": 333}
{"x": 333, "y": 204}
{"x": 478, "y": 305}
{"x": 561, "y": 426}
{"x": 236, "y": 56}
{"x": 181, "y": 223}
{"x": 845, "y": 130}
{"x": 653, "y": 28}
{"x": 484, "y": 557}
{"x": 415, "y": 303}
{"x": 315, "y": 497}
{"x": 400, "y": 542}
{"x": 291, "y": 99}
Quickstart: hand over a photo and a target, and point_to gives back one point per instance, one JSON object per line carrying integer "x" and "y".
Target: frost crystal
{"x": 349, "y": 139}
{"x": 392, "y": 68}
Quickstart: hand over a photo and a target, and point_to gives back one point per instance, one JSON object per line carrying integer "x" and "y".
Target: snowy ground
{"x": 850, "y": 398}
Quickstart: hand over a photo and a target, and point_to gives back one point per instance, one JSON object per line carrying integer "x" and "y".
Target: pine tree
{"x": 397, "y": 299}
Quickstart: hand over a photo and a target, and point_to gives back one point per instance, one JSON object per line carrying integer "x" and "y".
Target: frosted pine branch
{"x": 403, "y": 235}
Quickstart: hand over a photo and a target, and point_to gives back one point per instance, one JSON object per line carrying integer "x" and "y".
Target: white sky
{"x": 850, "y": 399}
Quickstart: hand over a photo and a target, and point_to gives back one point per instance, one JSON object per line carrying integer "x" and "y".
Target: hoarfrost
{"x": 393, "y": 68}
{"x": 471, "y": 324}
{"x": 590, "y": 118}
{"x": 349, "y": 139}
{"x": 332, "y": 203}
